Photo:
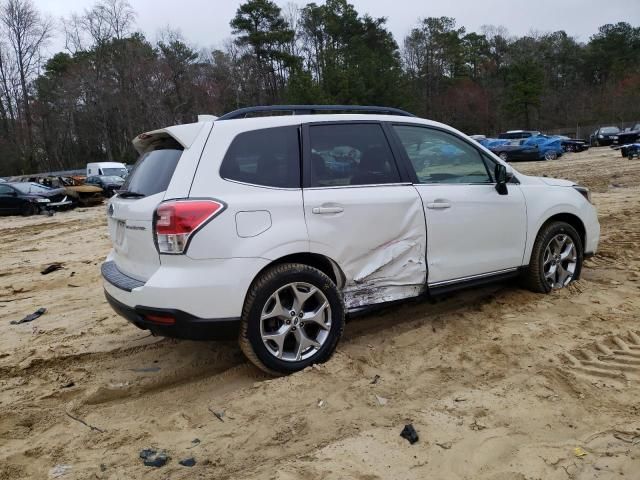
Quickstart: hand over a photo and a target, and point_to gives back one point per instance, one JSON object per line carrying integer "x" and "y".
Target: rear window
{"x": 268, "y": 157}
{"x": 153, "y": 171}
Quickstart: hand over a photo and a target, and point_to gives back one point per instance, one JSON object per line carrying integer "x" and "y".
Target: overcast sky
{"x": 205, "y": 23}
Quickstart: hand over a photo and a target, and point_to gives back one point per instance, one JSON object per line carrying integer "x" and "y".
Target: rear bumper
{"x": 204, "y": 297}
{"x": 186, "y": 326}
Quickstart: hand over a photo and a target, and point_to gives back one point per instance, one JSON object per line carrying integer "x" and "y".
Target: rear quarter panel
{"x": 224, "y": 237}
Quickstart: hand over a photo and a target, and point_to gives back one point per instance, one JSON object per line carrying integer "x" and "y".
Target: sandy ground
{"x": 500, "y": 383}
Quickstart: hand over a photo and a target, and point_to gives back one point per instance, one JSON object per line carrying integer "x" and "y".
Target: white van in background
{"x": 107, "y": 168}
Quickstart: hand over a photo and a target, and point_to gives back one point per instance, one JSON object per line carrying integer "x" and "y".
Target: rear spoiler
{"x": 185, "y": 135}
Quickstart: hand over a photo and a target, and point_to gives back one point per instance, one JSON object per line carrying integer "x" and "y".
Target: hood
{"x": 48, "y": 194}
{"x": 557, "y": 182}
{"x": 552, "y": 182}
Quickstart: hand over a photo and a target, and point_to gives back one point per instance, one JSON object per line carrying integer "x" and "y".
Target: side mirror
{"x": 501, "y": 179}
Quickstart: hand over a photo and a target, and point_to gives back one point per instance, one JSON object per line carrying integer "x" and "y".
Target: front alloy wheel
{"x": 560, "y": 261}
{"x": 550, "y": 155}
{"x": 556, "y": 259}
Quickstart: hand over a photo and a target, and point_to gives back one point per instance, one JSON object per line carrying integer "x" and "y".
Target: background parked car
{"x": 30, "y": 198}
{"x": 603, "y": 136}
{"x": 539, "y": 147}
{"x": 518, "y": 134}
{"x": 573, "y": 144}
{"x": 108, "y": 183}
{"x": 628, "y": 136}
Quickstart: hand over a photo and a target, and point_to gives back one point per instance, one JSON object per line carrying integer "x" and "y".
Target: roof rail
{"x": 312, "y": 109}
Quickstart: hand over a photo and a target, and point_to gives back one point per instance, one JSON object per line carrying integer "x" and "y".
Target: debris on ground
{"x": 145, "y": 370}
{"x": 59, "y": 471}
{"x": 69, "y": 385}
{"x": 88, "y": 425}
{"x": 444, "y": 445}
{"x": 477, "y": 426}
{"x": 375, "y": 379}
{"x": 194, "y": 443}
{"x": 381, "y": 400}
{"x": 409, "y": 433}
{"x": 188, "y": 462}
{"x": 52, "y": 268}
{"x": 320, "y": 403}
{"x": 217, "y": 414}
{"x": 154, "y": 458}
{"x": 31, "y": 317}
{"x": 579, "y": 452}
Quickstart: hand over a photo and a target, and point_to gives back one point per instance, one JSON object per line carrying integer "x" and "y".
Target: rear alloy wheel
{"x": 556, "y": 260}
{"x": 550, "y": 155}
{"x": 293, "y": 317}
{"x": 504, "y": 156}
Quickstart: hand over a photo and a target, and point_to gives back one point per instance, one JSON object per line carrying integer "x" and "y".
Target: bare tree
{"x": 28, "y": 33}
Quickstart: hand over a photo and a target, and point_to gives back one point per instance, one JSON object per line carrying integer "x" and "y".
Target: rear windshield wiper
{"x": 129, "y": 194}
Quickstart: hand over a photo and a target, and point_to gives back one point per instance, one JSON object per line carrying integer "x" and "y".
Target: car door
{"x": 9, "y": 200}
{"x": 472, "y": 230}
{"x": 362, "y": 212}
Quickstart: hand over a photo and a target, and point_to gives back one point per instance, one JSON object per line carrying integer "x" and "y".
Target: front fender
{"x": 543, "y": 203}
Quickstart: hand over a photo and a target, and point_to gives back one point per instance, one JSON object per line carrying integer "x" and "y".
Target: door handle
{"x": 327, "y": 210}
{"x": 438, "y": 205}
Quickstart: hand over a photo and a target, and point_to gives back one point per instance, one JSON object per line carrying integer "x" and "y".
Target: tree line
{"x": 110, "y": 83}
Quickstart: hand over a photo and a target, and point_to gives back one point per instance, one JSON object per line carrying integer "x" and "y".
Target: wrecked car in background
{"x": 80, "y": 194}
{"x": 573, "y": 145}
{"x": 629, "y": 136}
{"x": 108, "y": 183}
{"x": 538, "y": 147}
{"x": 27, "y": 198}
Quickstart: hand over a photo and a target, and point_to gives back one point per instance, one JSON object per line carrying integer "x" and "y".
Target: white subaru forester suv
{"x": 273, "y": 223}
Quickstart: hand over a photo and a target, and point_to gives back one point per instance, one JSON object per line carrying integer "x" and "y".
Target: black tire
{"x": 263, "y": 287}
{"x": 28, "y": 209}
{"x": 534, "y": 275}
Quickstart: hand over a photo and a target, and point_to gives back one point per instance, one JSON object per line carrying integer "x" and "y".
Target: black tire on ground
{"x": 28, "y": 209}
{"x": 263, "y": 287}
{"x": 534, "y": 274}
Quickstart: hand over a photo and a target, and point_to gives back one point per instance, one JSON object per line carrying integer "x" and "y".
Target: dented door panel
{"x": 376, "y": 234}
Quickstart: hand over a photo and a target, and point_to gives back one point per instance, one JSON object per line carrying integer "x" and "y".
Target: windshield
{"x": 119, "y": 172}
{"x": 31, "y": 188}
{"x": 153, "y": 171}
{"x": 609, "y": 130}
{"x": 112, "y": 179}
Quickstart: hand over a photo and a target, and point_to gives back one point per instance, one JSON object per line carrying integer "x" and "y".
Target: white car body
{"x": 383, "y": 242}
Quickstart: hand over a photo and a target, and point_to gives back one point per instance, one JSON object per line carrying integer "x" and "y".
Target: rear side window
{"x": 154, "y": 169}
{"x": 268, "y": 157}
{"x": 351, "y": 154}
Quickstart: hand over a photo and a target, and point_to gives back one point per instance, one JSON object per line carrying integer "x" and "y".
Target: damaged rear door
{"x": 362, "y": 212}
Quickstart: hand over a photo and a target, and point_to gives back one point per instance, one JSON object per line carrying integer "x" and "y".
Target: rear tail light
{"x": 176, "y": 221}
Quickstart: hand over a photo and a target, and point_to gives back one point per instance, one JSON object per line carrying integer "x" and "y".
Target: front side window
{"x": 440, "y": 157}
{"x": 351, "y": 154}
{"x": 268, "y": 157}
{"x": 6, "y": 190}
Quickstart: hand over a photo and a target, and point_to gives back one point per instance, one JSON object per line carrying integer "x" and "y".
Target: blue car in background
{"x": 538, "y": 147}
